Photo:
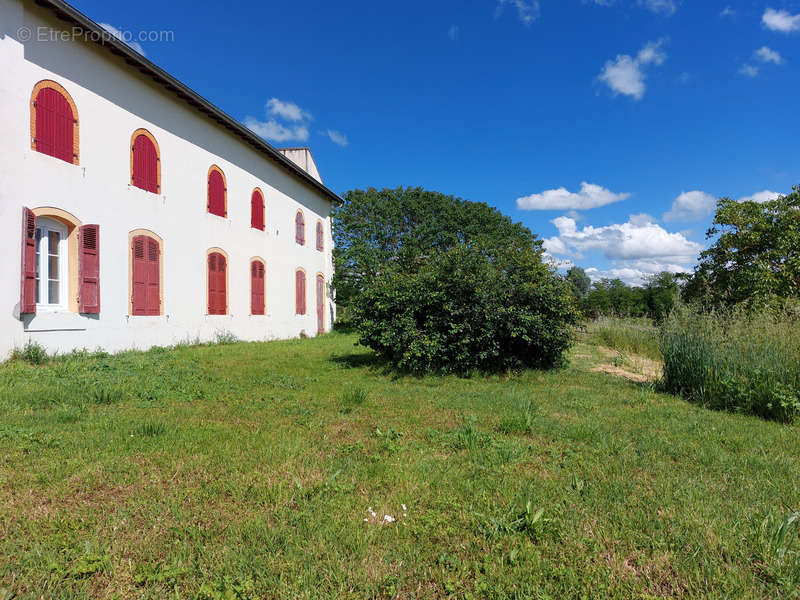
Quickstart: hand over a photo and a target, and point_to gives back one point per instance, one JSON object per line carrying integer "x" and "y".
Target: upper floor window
{"x": 257, "y": 210}
{"x": 217, "y": 203}
{"x": 320, "y": 236}
{"x": 145, "y": 275}
{"x": 54, "y": 122}
{"x": 145, "y": 162}
{"x": 217, "y": 284}
{"x": 300, "y": 228}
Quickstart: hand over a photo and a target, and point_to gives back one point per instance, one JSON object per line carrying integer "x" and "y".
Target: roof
{"x": 103, "y": 38}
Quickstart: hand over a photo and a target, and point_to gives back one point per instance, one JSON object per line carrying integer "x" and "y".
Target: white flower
{"x": 404, "y": 507}
{"x": 388, "y": 518}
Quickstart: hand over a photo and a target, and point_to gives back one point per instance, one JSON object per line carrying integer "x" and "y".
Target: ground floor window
{"x": 51, "y": 264}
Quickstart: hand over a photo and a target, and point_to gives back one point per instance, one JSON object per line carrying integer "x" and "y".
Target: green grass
{"x": 252, "y": 470}
{"x": 628, "y": 335}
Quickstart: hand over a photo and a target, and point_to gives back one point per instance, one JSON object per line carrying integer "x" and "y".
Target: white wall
{"x": 113, "y": 100}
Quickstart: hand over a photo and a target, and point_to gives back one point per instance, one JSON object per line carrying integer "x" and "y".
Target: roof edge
{"x": 105, "y": 39}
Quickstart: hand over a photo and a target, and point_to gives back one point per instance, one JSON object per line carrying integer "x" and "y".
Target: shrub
{"x": 463, "y": 310}
{"x": 33, "y": 353}
{"x": 734, "y": 361}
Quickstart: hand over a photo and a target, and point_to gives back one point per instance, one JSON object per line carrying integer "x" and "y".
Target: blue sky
{"x": 609, "y": 127}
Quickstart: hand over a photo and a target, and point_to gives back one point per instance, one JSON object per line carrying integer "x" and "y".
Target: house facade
{"x": 135, "y": 213}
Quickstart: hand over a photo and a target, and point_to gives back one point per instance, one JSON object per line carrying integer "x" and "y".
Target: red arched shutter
{"x": 300, "y": 228}
{"x": 27, "y": 295}
{"x": 145, "y": 164}
{"x": 320, "y": 237}
{"x": 139, "y": 274}
{"x": 89, "y": 269}
{"x": 55, "y": 125}
{"x": 257, "y": 304}
{"x": 300, "y": 292}
{"x": 257, "y": 210}
{"x": 216, "y": 193}
{"x": 217, "y": 293}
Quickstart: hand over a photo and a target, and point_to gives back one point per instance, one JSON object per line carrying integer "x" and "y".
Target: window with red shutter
{"x": 217, "y": 284}
{"x": 146, "y": 274}
{"x": 320, "y": 237}
{"x": 55, "y": 125}
{"x": 320, "y": 304}
{"x": 145, "y": 164}
{"x": 300, "y": 228}
{"x": 257, "y": 210}
{"x": 216, "y": 193}
{"x": 27, "y": 299}
{"x": 300, "y": 292}
{"x": 89, "y": 269}
{"x": 257, "y": 288}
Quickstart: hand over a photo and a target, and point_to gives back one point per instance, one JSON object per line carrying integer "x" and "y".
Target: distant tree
{"x": 400, "y": 228}
{"x": 579, "y": 281}
{"x": 661, "y": 292}
{"x": 756, "y": 256}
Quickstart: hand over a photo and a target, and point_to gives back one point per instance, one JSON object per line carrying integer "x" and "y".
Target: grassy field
{"x": 267, "y": 470}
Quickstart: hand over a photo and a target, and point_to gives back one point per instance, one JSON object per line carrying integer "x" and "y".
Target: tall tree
{"x": 579, "y": 281}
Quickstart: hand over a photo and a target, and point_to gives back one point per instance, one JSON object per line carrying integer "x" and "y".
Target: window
{"x": 145, "y": 162}
{"x": 257, "y": 287}
{"x": 320, "y": 237}
{"x": 54, "y": 122}
{"x": 300, "y": 228}
{"x": 217, "y": 192}
{"x": 145, "y": 276}
{"x": 320, "y": 303}
{"x": 217, "y": 284}
{"x": 300, "y": 292}
{"x": 51, "y": 264}
{"x": 257, "y": 210}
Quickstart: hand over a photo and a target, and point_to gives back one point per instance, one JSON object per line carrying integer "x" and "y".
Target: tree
{"x": 399, "y": 228}
{"x": 579, "y": 281}
{"x": 756, "y": 256}
{"x": 661, "y": 291}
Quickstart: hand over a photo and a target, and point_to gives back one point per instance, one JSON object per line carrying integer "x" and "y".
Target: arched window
{"x": 145, "y": 162}
{"x": 320, "y": 237}
{"x": 257, "y": 210}
{"x": 257, "y": 287}
{"x": 217, "y": 192}
{"x": 300, "y": 292}
{"x": 145, "y": 275}
{"x": 217, "y": 284}
{"x": 54, "y": 122}
{"x": 300, "y": 228}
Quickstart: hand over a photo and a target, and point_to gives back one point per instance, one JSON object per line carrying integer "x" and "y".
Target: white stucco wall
{"x": 113, "y": 100}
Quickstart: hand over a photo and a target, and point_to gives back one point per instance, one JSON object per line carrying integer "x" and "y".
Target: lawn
{"x": 251, "y": 470}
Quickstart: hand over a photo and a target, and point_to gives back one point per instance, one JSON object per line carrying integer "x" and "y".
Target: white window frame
{"x": 46, "y": 225}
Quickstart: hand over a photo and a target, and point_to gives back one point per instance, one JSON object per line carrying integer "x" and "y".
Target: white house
{"x": 133, "y": 211}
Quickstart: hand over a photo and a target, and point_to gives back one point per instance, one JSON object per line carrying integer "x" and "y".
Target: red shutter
{"x": 300, "y": 228}
{"x": 320, "y": 304}
{"x": 217, "y": 293}
{"x": 54, "y": 125}
{"x": 320, "y": 237}
{"x": 216, "y": 194}
{"x": 212, "y": 282}
{"x": 145, "y": 164}
{"x": 153, "y": 305}
{"x": 300, "y": 292}
{"x": 139, "y": 292}
{"x": 89, "y": 269}
{"x": 27, "y": 294}
{"x": 257, "y": 287}
{"x": 257, "y": 210}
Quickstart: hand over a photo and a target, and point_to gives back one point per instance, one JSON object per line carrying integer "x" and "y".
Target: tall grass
{"x": 630, "y": 335}
{"x": 734, "y": 361}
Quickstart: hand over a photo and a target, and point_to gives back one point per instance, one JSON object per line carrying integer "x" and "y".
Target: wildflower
{"x": 388, "y": 518}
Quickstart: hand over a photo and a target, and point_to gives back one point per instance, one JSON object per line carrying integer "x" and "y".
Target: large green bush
{"x": 462, "y": 310}
{"x": 735, "y": 361}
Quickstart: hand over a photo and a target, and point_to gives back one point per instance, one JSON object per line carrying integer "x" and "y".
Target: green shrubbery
{"x": 462, "y": 311}
{"x": 735, "y": 361}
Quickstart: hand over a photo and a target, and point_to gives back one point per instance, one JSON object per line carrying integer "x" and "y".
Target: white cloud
{"x": 633, "y": 275}
{"x": 123, "y": 36}
{"x": 664, "y": 7}
{"x": 287, "y": 110}
{"x": 759, "y": 197}
{"x": 590, "y": 196}
{"x": 337, "y": 138}
{"x": 625, "y": 74}
{"x": 276, "y": 132}
{"x": 780, "y": 20}
{"x": 768, "y": 55}
{"x": 748, "y": 70}
{"x": 452, "y": 33}
{"x": 631, "y": 241}
{"x": 691, "y": 206}
{"x": 527, "y": 10}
